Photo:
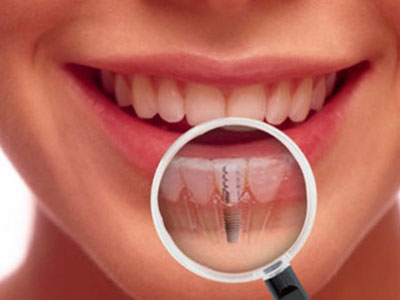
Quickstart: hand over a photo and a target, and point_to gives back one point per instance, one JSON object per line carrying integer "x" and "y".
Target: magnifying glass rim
{"x": 269, "y": 270}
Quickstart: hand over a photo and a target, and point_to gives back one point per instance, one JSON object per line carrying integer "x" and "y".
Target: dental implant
{"x": 231, "y": 211}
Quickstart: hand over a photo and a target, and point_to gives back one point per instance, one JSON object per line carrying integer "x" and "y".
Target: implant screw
{"x": 231, "y": 214}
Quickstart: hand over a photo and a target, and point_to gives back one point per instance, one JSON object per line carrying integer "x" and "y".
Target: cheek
{"x": 391, "y": 11}
{"x": 22, "y": 18}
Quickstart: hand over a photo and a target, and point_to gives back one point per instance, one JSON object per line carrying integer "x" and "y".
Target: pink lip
{"x": 144, "y": 144}
{"x": 214, "y": 71}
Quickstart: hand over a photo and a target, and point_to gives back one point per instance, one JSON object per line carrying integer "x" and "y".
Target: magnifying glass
{"x": 234, "y": 200}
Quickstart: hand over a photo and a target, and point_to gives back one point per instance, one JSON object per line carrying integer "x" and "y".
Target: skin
{"x": 92, "y": 243}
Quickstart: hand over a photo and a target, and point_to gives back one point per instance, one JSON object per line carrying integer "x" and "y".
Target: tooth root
{"x": 170, "y": 102}
{"x": 122, "y": 91}
{"x": 172, "y": 183}
{"x": 301, "y": 101}
{"x": 230, "y": 178}
{"x": 330, "y": 83}
{"x": 247, "y": 102}
{"x": 211, "y": 218}
{"x": 107, "y": 81}
{"x": 259, "y": 218}
{"x": 199, "y": 178}
{"x": 265, "y": 176}
{"x": 319, "y": 94}
{"x": 144, "y": 98}
{"x": 279, "y": 103}
{"x": 203, "y": 103}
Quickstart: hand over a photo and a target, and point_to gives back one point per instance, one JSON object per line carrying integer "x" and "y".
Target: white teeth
{"x": 203, "y": 103}
{"x": 230, "y": 178}
{"x": 301, "y": 101}
{"x": 144, "y": 98}
{"x": 264, "y": 177}
{"x": 170, "y": 102}
{"x": 247, "y": 102}
{"x": 122, "y": 91}
{"x": 319, "y": 94}
{"x": 199, "y": 178}
{"x": 279, "y": 103}
{"x": 107, "y": 81}
{"x": 172, "y": 183}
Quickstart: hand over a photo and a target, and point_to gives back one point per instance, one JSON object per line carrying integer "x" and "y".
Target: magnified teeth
{"x": 199, "y": 178}
{"x": 230, "y": 178}
{"x": 172, "y": 183}
{"x": 227, "y": 199}
{"x": 264, "y": 177}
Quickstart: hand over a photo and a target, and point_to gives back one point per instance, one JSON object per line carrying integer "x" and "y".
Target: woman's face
{"x": 91, "y": 164}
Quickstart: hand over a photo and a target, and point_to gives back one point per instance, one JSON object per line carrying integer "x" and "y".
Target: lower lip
{"x": 144, "y": 144}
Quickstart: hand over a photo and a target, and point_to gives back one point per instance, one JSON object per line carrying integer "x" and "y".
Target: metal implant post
{"x": 232, "y": 225}
{"x": 231, "y": 212}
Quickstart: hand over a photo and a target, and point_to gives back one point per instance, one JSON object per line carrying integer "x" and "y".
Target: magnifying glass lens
{"x": 233, "y": 199}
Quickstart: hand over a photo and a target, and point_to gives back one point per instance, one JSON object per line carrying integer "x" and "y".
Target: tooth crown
{"x": 274, "y": 103}
{"x": 229, "y": 178}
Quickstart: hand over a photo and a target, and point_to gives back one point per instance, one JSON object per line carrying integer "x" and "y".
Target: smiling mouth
{"x": 144, "y": 112}
{"x": 143, "y": 109}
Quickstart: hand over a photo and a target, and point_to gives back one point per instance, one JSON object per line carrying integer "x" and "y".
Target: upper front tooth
{"x": 107, "y": 81}
{"x": 230, "y": 178}
{"x": 248, "y": 102}
{"x": 279, "y": 103}
{"x": 170, "y": 101}
{"x": 122, "y": 91}
{"x": 319, "y": 94}
{"x": 301, "y": 101}
{"x": 144, "y": 98}
{"x": 203, "y": 103}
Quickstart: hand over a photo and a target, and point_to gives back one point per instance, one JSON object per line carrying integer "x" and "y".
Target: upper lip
{"x": 211, "y": 70}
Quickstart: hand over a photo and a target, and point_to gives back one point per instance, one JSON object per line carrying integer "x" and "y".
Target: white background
{"x": 16, "y": 218}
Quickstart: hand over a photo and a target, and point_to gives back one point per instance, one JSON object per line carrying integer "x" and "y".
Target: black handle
{"x": 286, "y": 286}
